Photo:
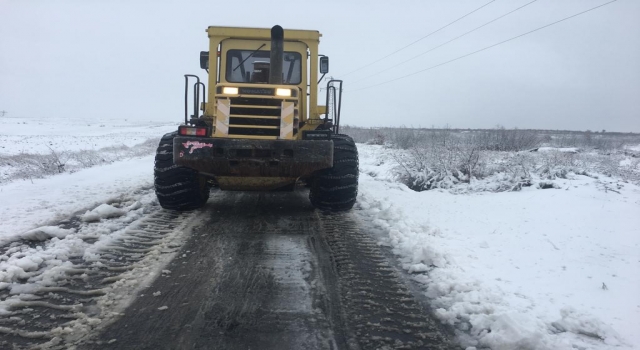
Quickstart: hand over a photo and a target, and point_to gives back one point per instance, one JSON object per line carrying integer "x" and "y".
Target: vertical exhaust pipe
{"x": 277, "y": 53}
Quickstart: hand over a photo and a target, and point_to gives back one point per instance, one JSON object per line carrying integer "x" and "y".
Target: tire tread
{"x": 177, "y": 188}
{"x": 336, "y": 188}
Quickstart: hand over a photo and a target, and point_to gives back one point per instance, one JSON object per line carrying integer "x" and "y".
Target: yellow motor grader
{"x": 259, "y": 125}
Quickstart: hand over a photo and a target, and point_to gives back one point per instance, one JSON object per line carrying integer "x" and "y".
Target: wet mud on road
{"x": 267, "y": 271}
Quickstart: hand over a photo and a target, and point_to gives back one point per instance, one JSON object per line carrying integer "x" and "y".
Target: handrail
{"x": 337, "y": 103}
{"x": 196, "y": 96}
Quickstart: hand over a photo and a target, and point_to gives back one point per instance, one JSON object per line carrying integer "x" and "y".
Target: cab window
{"x": 247, "y": 66}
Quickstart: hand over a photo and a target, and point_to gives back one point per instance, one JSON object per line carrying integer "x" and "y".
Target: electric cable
{"x": 445, "y": 43}
{"x": 416, "y": 41}
{"x": 485, "y": 48}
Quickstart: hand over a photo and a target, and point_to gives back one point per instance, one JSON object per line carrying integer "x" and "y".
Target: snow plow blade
{"x": 245, "y": 164}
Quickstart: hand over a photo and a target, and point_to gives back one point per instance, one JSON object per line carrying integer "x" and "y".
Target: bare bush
{"x": 501, "y": 139}
{"x": 440, "y": 160}
{"x": 360, "y": 135}
{"x": 459, "y": 168}
{"x": 403, "y": 137}
{"x": 36, "y": 165}
{"x": 30, "y": 166}
{"x": 500, "y": 159}
{"x": 88, "y": 158}
{"x": 602, "y": 141}
{"x": 57, "y": 160}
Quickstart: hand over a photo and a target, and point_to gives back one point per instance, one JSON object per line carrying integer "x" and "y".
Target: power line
{"x": 485, "y": 48}
{"x": 424, "y": 37}
{"x": 443, "y": 44}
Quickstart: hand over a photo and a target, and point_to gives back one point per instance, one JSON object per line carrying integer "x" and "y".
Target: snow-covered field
{"x": 39, "y": 147}
{"x": 555, "y": 268}
{"x": 40, "y": 135}
{"x": 70, "y": 223}
{"x": 27, "y": 202}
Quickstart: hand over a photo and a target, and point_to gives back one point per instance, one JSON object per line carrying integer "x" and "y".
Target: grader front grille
{"x": 255, "y": 117}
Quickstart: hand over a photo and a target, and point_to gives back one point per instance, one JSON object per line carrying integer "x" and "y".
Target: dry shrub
{"x": 30, "y": 165}
{"x": 440, "y": 160}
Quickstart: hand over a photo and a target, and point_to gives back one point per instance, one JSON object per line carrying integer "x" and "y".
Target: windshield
{"x": 248, "y": 66}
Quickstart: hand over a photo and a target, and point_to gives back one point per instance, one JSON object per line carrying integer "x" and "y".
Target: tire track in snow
{"x": 246, "y": 279}
{"x": 267, "y": 271}
{"x": 380, "y": 309}
{"x": 88, "y": 293}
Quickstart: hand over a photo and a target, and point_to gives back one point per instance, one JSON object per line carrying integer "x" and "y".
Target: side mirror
{"x": 324, "y": 64}
{"x": 204, "y": 59}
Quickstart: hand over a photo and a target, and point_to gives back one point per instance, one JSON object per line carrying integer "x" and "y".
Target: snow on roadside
{"x": 40, "y": 275}
{"x": 52, "y": 228}
{"x": 103, "y": 211}
{"x": 27, "y": 205}
{"x": 29, "y": 209}
{"x": 45, "y": 232}
{"x": 21, "y": 261}
{"x": 558, "y": 149}
{"x": 40, "y": 147}
{"x": 534, "y": 269}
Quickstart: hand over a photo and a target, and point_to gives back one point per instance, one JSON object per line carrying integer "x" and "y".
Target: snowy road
{"x": 266, "y": 271}
{"x": 89, "y": 260}
{"x": 248, "y": 271}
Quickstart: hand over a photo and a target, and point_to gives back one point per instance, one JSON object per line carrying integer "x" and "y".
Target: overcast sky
{"x": 126, "y": 59}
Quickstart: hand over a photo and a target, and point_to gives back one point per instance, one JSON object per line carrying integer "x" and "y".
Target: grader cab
{"x": 258, "y": 126}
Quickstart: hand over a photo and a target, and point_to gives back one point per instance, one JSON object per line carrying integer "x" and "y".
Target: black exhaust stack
{"x": 277, "y": 53}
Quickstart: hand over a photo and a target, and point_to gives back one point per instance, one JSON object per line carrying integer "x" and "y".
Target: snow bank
{"x": 37, "y": 148}
{"x": 53, "y": 228}
{"x": 45, "y": 232}
{"x": 103, "y": 211}
{"x": 19, "y": 261}
{"x": 28, "y": 205}
{"x": 28, "y": 272}
{"x": 533, "y": 269}
{"x": 558, "y": 149}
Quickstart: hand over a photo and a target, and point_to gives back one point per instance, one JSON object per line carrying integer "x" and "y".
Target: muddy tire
{"x": 336, "y": 188}
{"x": 177, "y": 187}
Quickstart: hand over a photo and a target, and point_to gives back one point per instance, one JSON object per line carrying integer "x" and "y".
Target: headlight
{"x": 230, "y": 90}
{"x": 283, "y": 92}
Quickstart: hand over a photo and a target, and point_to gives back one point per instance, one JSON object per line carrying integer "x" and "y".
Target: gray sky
{"x": 126, "y": 59}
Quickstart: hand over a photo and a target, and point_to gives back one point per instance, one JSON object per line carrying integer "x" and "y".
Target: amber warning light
{"x": 192, "y": 131}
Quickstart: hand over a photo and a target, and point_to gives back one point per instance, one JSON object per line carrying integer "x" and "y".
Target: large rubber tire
{"x": 336, "y": 188}
{"x": 177, "y": 187}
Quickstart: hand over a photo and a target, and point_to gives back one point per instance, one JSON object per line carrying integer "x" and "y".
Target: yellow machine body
{"x": 255, "y": 130}
{"x": 301, "y": 107}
